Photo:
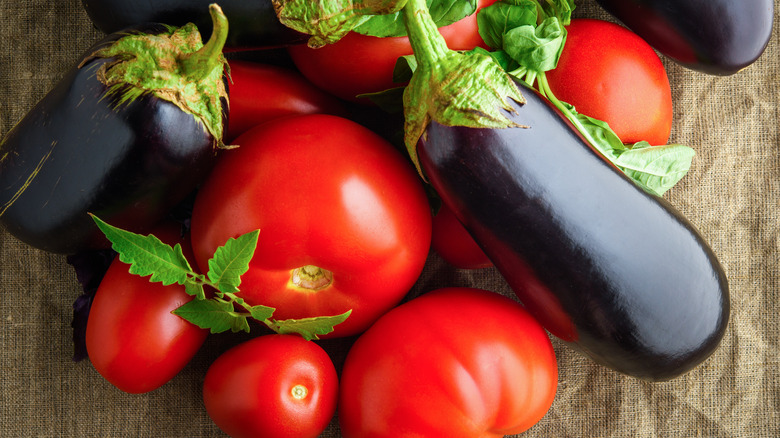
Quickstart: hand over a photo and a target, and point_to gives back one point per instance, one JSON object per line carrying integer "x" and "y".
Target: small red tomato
{"x": 455, "y": 362}
{"x": 454, "y": 243}
{"x": 273, "y": 386}
{"x": 133, "y": 339}
{"x": 261, "y": 92}
{"x": 358, "y": 64}
{"x": 609, "y": 73}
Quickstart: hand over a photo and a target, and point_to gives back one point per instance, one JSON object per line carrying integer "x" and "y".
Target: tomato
{"x": 609, "y": 73}
{"x": 262, "y": 92}
{"x": 344, "y": 220}
{"x": 133, "y": 339}
{"x": 274, "y": 386}
{"x": 359, "y": 64}
{"x": 454, "y": 243}
{"x": 455, "y": 362}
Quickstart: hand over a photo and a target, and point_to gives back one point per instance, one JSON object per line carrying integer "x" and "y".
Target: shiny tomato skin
{"x": 609, "y": 73}
{"x": 454, "y": 244}
{"x": 324, "y": 192}
{"x": 455, "y": 362}
{"x": 272, "y": 386}
{"x": 261, "y": 92}
{"x": 358, "y": 64}
{"x": 133, "y": 339}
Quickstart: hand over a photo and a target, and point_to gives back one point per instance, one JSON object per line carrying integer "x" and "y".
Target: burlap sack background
{"x": 731, "y": 194}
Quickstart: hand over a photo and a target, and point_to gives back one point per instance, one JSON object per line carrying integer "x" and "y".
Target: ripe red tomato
{"x": 344, "y": 220}
{"x": 454, "y": 243}
{"x": 262, "y": 92}
{"x": 456, "y": 362}
{"x": 359, "y": 64}
{"x": 133, "y": 339}
{"x": 274, "y": 386}
{"x": 609, "y": 73}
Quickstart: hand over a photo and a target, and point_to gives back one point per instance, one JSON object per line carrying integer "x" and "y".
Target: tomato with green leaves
{"x": 260, "y": 92}
{"x": 454, "y": 362}
{"x": 133, "y": 340}
{"x": 344, "y": 220}
{"x": 279, "y": 386}
{"x": 454, "y": 244}
{"x": 609, "y": 73}
{"x": 361, "y": 63}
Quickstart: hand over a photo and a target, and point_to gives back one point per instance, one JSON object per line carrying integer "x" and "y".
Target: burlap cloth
{"x": 731, "y": 194}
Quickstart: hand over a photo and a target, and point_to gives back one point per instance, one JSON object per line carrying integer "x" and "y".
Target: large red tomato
{"x": 133, "y": 339}
{"x": 344, "y": 220}
{"x": 261, "y": 92}
{"x": 359, "y": 64}
{"x": 456, "y": 362}
{"x": 273, "y": 386}
{"x": 609, "y": 73}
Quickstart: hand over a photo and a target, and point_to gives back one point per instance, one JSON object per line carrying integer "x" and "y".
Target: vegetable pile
{"x": 289, "y": 177}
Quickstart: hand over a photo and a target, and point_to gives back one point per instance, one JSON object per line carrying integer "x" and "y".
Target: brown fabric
{"x": 731, "y": 195}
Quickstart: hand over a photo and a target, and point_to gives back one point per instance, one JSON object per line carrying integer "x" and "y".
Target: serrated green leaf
{"x": 217, "y": 316}
{"x": 195, "y": 289}
{"x": 309, "y": 328}
{"x": 231, "y": 261}
{"x": 147, "y": 255}
{"x": 261, "y": 313}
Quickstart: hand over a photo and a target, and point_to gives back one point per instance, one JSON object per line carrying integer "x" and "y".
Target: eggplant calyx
{"x": 174, "y": 66}
{"x": 328, "y": 22}
{"x": 449, "y": 87}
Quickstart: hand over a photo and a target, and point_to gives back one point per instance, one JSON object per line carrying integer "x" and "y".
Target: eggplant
{"x": 719, "y": 37}
{"x": 100, "y": 143}
{"x": 253, "y": 23}
{"x": 601, "y": 263}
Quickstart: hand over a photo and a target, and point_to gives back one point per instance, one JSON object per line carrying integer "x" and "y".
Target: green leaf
{"x": 659, "y": 168}
{"x": 261, "y": 313}
{"x": 217, "y": 316}
{"x": 444, "y": 12}
{"x": 231, "y": 261}
{"x": 497, "y": 19}
{"x": 601, "y": 135}
{"x": 309, "y": 328}
{"x": 536, "y": 48}
{"x": 148, "y": 255}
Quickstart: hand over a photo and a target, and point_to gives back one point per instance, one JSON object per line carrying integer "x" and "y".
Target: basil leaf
{"x": 444, "y": 12}
{"x": 659, "y": 168}
{"x": 536, "y": 48}
{"x": 497, "y": 19}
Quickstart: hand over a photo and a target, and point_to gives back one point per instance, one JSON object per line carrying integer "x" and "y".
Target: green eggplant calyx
{"x": 327, "y": 22}
{"x": 449, "y": 87}
{"x": 174, "y": 66}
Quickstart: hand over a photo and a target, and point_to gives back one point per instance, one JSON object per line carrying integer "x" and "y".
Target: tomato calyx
{"x": 310, "y": 277}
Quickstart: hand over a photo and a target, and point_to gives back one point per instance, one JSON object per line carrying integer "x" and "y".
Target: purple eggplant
{"x": 253, "y": 23}
{"x": 718, "y": 37}
{"x": 106, "y": 141}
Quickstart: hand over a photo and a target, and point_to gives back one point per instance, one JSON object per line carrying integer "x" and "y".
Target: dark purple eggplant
{"x": 599, "y": 261}
{"x": 125, "y": 153}
{"x": 253, "y": 23}
{"x": 718, "y": 37}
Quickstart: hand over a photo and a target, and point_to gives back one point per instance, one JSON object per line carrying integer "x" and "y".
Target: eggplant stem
{"x": 208, "y": 57}
{"x": 427, "y": 43}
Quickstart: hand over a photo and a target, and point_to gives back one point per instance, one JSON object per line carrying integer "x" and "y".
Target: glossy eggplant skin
{"x": 617, "y": 272}
{"x": 253, "y": 23}
{"x": 719, "y": 37}
{"x": 78, "y": 152}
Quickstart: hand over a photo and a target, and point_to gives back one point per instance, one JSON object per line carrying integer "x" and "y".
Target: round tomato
{"x": 343, "y": 217}
{"x": 133, "y": 339}
{"x": 274, "y": 386}
{"x": 455, "y": 362}
{"x": 609, "y": 73}
{"x": 454, "y": 244}
{"x": 358, "y": 64}
{"x": 262, "y": 92}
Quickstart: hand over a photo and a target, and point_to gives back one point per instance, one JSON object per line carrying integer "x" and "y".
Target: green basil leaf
{"x": 148, "y": 255}
{"x": 217, "y": 316}
{"x": 500, "y": 17}
{"x": 659, "y": 168}
{"x": 562, "y": 9}
{"x": 231, "y": 261}
{"x": 444, "y": 12}
{"x": 536, "y": 48}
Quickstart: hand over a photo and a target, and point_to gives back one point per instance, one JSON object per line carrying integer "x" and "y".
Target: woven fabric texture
{"x": 731, "y": 195}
